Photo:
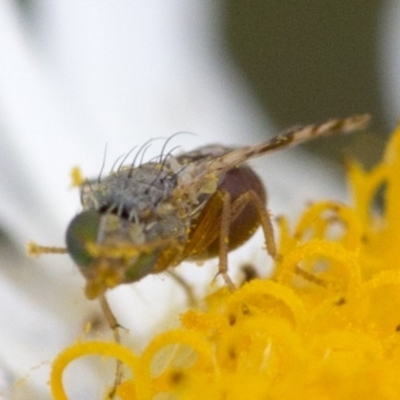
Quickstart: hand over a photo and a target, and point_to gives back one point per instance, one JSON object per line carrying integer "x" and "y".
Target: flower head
{"x": 324, "y": 326}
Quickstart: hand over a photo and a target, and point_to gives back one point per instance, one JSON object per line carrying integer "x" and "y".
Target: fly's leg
{"x": 230, "y": 210}
{"x": 113, "y": 323}
{"x": 191, "y": 298}
{"x": 224, "y": 239}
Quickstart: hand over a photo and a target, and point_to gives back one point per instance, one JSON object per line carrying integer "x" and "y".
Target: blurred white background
{"x": 75, "y": 76}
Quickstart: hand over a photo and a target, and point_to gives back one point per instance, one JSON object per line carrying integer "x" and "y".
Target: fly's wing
{"x": 205, "y": 231}
{"x": 231, "y": 158}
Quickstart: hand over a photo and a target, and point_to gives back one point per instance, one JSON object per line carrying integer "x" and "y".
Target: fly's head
{"x": 130, "y": 227}
{"x": 110, "y": 251}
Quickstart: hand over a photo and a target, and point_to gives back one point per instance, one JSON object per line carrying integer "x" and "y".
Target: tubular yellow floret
{"x": 267, "y": 297}
{"x": 316, "y": 249}
{"x": 81, "y": 349}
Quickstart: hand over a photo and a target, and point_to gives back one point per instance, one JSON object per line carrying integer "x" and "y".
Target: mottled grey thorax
{"x": 131, "y": 193}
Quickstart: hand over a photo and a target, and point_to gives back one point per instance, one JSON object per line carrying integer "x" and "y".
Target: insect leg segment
{"x": 230, "y": 211}
{"x": 229, "y": 219}
{"x": 251, "y": 197}
{"x": 224, "y": 238}
{"x": 111, "y": 320}
{"x": 114, "y": 325}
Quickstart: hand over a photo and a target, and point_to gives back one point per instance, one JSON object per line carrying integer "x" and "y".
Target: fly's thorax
{"x": 130, "y": 191}
{"x": 198, "y": 180}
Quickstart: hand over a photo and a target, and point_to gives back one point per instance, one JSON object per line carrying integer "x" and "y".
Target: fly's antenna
{"x": 103, "y": 164}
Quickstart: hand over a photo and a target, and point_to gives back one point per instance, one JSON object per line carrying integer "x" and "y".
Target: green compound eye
{"x": 81, "y": 230}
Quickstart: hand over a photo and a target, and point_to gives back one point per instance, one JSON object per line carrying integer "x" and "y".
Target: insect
{"x": 144, "y": 219}
{"x": 201, "y": 204}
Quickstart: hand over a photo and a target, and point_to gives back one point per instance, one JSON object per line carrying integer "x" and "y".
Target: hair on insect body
{"x": 102, "y": 164}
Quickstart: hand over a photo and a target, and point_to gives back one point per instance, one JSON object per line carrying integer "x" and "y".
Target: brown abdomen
{"x": 237, "y": 182}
